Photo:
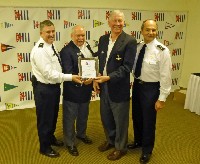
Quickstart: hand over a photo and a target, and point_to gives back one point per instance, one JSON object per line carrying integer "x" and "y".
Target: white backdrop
{"x": 19, "y": 30}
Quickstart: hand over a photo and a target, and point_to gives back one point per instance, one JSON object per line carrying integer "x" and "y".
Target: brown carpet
{"x": 177, "y": 139}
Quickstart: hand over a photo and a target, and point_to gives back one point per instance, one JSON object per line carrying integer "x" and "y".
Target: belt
{"x": 50, "y": 85}
{"x": 144, "y": 82}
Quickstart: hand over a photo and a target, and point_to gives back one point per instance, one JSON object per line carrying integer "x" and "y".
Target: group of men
{"x": 119, "y": 55}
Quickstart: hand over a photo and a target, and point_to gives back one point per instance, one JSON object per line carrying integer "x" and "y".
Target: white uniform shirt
{"x": 156, "y": 66}
{"x": 45, "y": 64}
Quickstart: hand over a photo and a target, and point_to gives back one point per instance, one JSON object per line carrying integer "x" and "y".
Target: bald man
{"x": 76, "y": 97}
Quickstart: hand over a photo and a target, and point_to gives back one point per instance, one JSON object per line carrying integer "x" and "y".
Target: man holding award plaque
{"x": 116, "y": 53}
{"x": 76, "y": 97}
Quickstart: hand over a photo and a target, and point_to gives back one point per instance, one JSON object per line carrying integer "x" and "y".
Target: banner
{"x": 19, "y": 31}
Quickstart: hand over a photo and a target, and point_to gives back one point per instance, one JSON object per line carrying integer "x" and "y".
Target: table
{"x": 192, "y": 100}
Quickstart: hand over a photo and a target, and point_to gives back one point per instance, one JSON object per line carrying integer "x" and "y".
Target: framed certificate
{"x": 88, "y": 67}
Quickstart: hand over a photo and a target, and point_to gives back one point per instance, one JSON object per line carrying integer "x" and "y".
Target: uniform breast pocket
{"x": 153, "y": 64}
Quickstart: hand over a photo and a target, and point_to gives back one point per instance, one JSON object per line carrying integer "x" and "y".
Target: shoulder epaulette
{"x": 41, "y": 45}
{"x": 161, "y": 47}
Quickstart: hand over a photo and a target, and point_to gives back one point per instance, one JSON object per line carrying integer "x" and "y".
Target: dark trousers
{"x": 144, "y": 97}
{"x": 47, "y": 98}
{"x": 74, "y": 113}
{"x": 115, "y": 120}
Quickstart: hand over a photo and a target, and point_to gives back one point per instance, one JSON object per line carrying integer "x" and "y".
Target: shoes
{"x": 57, "y": 143}
{"x": 105, "y": 146}
{"x": 73, "y": 150}
{"x": 116, "y": 154}
{"x": 86, "y": 140}
{"x": 134, "y": 145}
{"x": 50, "y": 153}
{"x": 145, "y": 158}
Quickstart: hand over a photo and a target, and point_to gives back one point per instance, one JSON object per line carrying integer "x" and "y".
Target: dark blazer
{"x": 119, "y": 64}
{"x": 72, "y": 91}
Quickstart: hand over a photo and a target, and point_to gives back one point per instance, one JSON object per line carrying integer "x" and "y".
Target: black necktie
{"x": 139, "y": 62}
{"x": 80, "y": 55}
{"x": 55, "y": 53}
{"x": 89, "y": 48}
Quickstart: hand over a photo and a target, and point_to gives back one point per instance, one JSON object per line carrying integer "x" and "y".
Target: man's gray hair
{"x": 116, "y": 12}
{"x": 45, "y": 23}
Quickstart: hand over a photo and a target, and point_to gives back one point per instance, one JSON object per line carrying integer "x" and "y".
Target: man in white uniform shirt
{"x": 152, "y": 85}
{"x": 46, "y": 79}
{"x": 76, "y": 97}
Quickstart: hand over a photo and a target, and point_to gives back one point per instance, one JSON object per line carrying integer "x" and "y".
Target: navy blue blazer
{"x": 72, "y": 91}
{"x": 119, "y": 64}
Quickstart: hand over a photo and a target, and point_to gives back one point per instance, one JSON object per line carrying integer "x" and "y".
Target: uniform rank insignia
{"x": 118, "y": 58}
{"x": 41, "y": 45}
{"x": 159, "y": 46}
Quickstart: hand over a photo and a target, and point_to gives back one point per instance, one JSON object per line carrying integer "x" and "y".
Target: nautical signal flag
{"x": 5, "y": 25}
{"x": 168, "y": 25}
{"x": 5, "y": 47}
{"x": 97, "y": 23}
{"x": 6, "y": 67}
{"x": 10, "y": 105}
{"x": 167, "y": 43}
{"x": 9, "y": 87}
{"x": 68, "y": 24}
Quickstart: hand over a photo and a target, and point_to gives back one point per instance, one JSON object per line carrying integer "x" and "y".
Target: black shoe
{"x": 145, "y": 158}
{"x": 50, "y": 153}
{"x": 57, "y": 143}
{"x": 134, "y": 145}
{"x": 86, "y": 140}
{"x": 73, "y": 150}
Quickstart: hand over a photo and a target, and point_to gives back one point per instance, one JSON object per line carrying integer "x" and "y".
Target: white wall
{"x": 191, "y": 57}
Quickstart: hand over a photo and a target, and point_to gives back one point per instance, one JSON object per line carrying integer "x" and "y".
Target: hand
{"x": 96, "y": 87}
{"x": 102, "y": 79}
{"x": 76, "y": 79}
{"x": 159, "y": 105}
{"x": 87, "y": 81}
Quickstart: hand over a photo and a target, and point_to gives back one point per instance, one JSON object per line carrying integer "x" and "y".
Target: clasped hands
{"x": 96, "y": 81}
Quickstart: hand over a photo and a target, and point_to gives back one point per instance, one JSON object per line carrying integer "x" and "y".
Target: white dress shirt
{"x": 85, "y": 51}
{"x": 110, "y": 47}
{"x": 156, "y": 66}
{"x": 45, "y": 64}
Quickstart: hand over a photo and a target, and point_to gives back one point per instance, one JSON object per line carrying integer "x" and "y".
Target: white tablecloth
{"x": 192, "y": 101}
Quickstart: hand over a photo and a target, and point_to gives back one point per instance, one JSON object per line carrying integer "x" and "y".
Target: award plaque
{"x": 88, "y": 67}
